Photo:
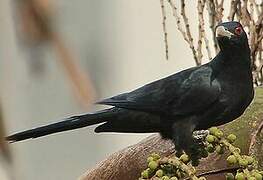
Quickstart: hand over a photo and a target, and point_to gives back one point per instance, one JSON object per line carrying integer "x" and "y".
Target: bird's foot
{"x": 200, "y": 135}
{"x": 196, "y": 150}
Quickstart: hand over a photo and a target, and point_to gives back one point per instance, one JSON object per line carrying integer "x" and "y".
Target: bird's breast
{"x": 236, "y": 97}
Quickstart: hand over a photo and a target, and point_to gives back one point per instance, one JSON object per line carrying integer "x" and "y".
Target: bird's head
{"x": 231, "y": 36}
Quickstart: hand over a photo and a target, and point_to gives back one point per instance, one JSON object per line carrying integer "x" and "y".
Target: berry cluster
{"x": 175, "y": 168}
{"x": 216, "y": 142}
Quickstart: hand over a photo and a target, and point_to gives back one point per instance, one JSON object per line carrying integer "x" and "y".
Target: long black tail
{"x": 71, "y": 123}
{"x": 113, "y": 120}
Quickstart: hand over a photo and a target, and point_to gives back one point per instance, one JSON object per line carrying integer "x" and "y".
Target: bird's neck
{"x": 233, "y": 57}
{"x": 235, "y": 61}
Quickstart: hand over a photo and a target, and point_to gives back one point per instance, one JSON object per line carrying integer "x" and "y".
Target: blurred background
{"x": 57, "y": 57}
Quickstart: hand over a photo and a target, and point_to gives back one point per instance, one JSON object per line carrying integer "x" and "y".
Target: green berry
{"x": 159, "y": 173}
{"x": 231, "y": 160}
{"x": 229, "y": 176}
{"x": 210, "y": 148}
{"x": 219, "y": 133}
{"x": 242, "y": 162}
{"x": 212, "y": 130}
{"x": 173, "y": 162}
{"x": 210, "y": 138}
{"x": 257, "y": 176}
{"x": 240, "y": 176}
{"x": 153, "y": 165}
{"x": 165, "y": 178}
{"x": 173, "y": 178}
{"x": 219, "y": 149}
{"x": 249, "y": 159}
{"x": 184, "y": 158}
{"x": 155, "y": 156}
{"x": 238, "y": 150}
{"x": 145, "y": 174}
{"x": 231, "y": 138}
{"x": 149, "y": 159}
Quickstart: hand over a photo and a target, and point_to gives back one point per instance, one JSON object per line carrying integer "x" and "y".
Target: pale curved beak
{"x": 222, "y": 32}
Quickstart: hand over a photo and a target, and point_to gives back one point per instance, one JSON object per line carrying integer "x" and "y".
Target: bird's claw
{"x": 196, "y": 150}
{"x": 200, "y": 135}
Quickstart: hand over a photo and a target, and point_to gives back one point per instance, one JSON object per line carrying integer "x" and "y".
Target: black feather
{"x": 70, "y": 123}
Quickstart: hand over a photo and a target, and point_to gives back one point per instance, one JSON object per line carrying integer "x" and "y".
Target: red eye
{"x": 238, "y": 30}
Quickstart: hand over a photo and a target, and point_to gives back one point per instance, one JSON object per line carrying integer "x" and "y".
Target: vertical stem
{"x": 164, "y": 28}
{"x": 188, "y": 33}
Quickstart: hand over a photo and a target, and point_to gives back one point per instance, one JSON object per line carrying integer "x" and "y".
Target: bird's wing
{"x": 186, "y": 92}
{"x": 197, "y": 93}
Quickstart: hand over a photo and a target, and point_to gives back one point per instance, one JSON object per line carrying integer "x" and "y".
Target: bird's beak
{"x": 222, "y": 32}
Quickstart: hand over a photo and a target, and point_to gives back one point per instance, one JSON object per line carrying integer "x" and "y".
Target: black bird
{"x": 194, "y": 99}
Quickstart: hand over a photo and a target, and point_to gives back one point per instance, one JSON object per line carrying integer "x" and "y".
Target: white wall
{"x": 120, "y": 43}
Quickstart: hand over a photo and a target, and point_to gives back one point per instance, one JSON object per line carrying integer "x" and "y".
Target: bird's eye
{"x": 238, "y": 30}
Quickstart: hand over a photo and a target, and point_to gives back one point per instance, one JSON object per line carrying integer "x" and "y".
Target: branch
{"x": 212, "y": 20}
{"x": 188, "y": 33}
{"x": 200, "y": 7}
{"x": 164, "y": 28}
{"x": 178, "y": 20}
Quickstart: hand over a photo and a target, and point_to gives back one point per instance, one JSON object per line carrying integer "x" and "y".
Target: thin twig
{"x": 200, "y": 8}
{"x": 164, "y": 28}
{"x": 254, "y": 137}
{"x": 178, "y": 20}
{"x": 233, "y": 9}
{"x": 216, "y": 171}
{"x": 188, "y": 32}
{"x": 212, "y": 16}
{"x": 203, "y": 31}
